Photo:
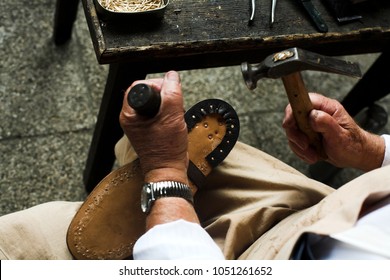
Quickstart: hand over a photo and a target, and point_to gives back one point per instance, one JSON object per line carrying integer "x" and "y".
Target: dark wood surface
{"x": 207, "y": 33}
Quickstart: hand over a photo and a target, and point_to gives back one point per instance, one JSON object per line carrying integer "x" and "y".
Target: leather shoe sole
{"x": 110, "y": 221}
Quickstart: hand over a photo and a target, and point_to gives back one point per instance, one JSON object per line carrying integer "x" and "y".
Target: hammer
{"x": 287, "y": 65}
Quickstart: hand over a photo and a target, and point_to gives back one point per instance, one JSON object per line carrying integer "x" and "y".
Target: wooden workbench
{"x": 212, "y": 33}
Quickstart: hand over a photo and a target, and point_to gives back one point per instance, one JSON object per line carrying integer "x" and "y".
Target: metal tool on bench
{"x": 287, "y": 65}
{"x": 343, "y": 10}
{"x": 273, "y": 8}
{"x": 311, "y": 10}
{"x": 315, "y": 15}
{"x": 253, "y": 9}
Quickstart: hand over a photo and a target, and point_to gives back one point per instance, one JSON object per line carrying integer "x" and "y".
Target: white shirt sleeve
{"x": 368, "y": 239}
{"x": 178, "y": 240}
{"x": 386, "y": 160}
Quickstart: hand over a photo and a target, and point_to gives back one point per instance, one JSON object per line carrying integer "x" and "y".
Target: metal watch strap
{"x": 171, "y": 189}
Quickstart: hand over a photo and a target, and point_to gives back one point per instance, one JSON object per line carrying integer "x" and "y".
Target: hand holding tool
{"x": 287, "y": 65}
{"x": 144, "y": 100}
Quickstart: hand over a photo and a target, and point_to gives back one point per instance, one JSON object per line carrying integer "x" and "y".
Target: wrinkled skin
{"x": 161, "y": 141}
{"x": 161, "y": 144}
{"x": 345, "y": 143}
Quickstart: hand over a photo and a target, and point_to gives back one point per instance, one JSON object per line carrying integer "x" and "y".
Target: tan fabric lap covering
{"x": 241, "y": 207}
{"x": 110, "y": 220}
{"x": 38, "y": 232}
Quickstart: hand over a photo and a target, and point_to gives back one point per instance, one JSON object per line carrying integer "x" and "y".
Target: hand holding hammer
{"x": 287, "y": 65}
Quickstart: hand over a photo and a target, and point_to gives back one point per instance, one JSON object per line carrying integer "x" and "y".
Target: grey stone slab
{"x": 271, "y": 139}
{"x": 50, "y": 96}
{"x": 248, "y": 132}
{"x": 42, "y": 87}
{"x": 228, "y": 84}
{"x": 40, "y": 169}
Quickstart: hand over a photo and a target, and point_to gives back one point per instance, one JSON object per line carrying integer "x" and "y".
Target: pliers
{"x": 253, "y": 9}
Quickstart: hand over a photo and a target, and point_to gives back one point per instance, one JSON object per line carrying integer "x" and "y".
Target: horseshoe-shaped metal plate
{"x": 210, "y": 106}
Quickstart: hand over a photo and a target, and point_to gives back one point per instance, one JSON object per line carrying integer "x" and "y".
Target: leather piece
{"x": 101, "y": 228}
{"x": 227, "y": 115}
{"x": 195, "y": 175}
{"x": 110, "y": 221}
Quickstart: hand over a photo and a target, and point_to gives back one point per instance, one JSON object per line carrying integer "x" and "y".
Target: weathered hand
{"x": 160, "y": 142}
{"x": 345, "y": 143}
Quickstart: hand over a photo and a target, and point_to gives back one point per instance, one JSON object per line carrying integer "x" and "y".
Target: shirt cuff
{"x": 178, "y": 240}
{"x": 386, "y": 159}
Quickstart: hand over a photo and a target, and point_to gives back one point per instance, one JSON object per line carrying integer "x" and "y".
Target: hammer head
{"x": 294, "y": 60}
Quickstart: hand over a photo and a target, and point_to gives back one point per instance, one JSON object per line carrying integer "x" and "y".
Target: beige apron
{"x": 253, "y": 205}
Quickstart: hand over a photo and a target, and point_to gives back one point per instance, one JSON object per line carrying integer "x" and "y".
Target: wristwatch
{"x": 152, "y": 191}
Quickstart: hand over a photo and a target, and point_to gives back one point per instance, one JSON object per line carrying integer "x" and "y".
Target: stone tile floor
{"x": 49, "y": 100}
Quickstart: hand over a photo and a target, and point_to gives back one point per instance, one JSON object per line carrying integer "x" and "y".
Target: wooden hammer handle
{"x": 301, "y": 105}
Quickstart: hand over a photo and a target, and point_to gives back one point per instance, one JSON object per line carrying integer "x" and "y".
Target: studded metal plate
{"x": 229, "y": 115}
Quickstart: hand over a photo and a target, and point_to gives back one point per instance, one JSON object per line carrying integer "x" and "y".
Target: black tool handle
{"x": 144, "y": 100}
{"x": 315, "y": 15}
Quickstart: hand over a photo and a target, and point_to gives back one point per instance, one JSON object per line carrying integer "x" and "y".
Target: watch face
{"x": 146, "y": 198}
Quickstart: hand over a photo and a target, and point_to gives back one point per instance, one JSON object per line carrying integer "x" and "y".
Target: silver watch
{"x": 152, "y": 191}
